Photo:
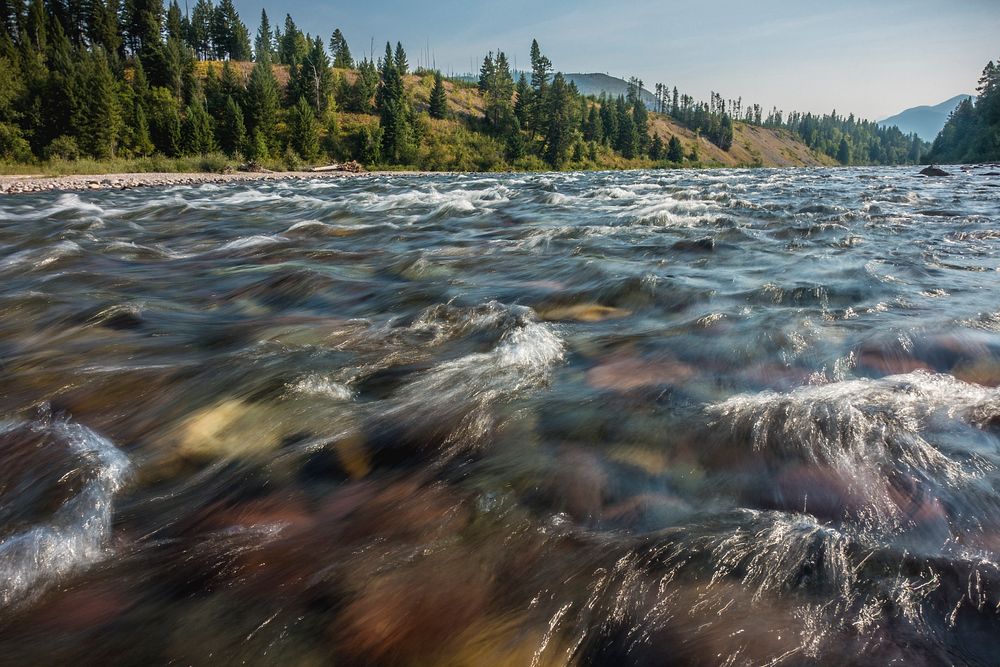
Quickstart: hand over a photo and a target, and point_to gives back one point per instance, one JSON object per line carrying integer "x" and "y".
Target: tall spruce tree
{"x": 559, "y": 135}
{"x": 439, "y": 98}
{"x": 97, "y": 117}
{"x": 262, "y": 102}
{"x": 541, "y": 70}
{"x": 394, "y": 111}
{"x": 497, "y": 86}
{"x": 264, "y": 43}
{"x": 198, "y": 130}
{"x": 303, "y": 130}
{"x": 232, "y": 130}
{"x": 402, "y": 65}
{"x": 675, "y": 152}
{"x": 313, "y": 78}
{"x": 340, "y": 51}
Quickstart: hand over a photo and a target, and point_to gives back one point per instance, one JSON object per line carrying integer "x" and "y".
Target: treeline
{"x": 972, "y": 133}
{"x": 89, "y": 78}
{"x": 547, "y": 117}
{"x": 848, "y": 140}
{"x": 851, "y": 141}
{"x": 92, "y": 78}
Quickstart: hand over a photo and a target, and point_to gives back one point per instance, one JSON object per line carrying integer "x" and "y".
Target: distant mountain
{"x": 927, "y": 122}
{"x": 595, "y": 84}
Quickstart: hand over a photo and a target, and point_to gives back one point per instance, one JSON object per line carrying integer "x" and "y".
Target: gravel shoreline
{"x": 37, "y": 183}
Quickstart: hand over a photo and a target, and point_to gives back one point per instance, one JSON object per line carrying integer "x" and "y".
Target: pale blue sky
{"x": 870, "y": 57}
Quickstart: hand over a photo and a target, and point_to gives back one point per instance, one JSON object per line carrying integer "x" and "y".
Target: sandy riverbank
{"x": 38, "y": 183}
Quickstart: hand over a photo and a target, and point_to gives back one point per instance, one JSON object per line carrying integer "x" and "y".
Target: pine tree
{"x": 402, "y": 66}
{"x": 142, "y": 144}
{"x": 497, "y": 87}
{"x": 175, "y": 26}
{"x": 394, "y": 111}
{"x": 594, "y": 130}
{"x": 656, "y": 148}
{"x": 360, "y": 94}
{"x": 231, "y": 84}
{"x": 844, "y": 153}
{"x": 202, "y": 28}
{"x": 198, "y": 131}
{"x": 541, "y": 69}
{"x": 725, "y": 139}
{"x": 559, "y": 133}
{"x": 522, "y": 105}
{"x": 439, "y": 98}
{"x": 264, "y": 44}
{"x": 103, "y": 29}
{"x": 340, "y": 51}
{"x": 292, "y": 47}
{"x": 675, "y": 152}
{"x": 262, "y": 103}
{"x": 304, "y": 130}
{"x": 627, "y": 139}
{"x": 97, "y": 118}
{"x": 313, "y": 78}
{"x": 232, "y": 130}
{"x": 230, "y": 37}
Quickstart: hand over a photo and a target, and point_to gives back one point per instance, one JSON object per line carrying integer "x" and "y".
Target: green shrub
{"x": 62, "y": 148}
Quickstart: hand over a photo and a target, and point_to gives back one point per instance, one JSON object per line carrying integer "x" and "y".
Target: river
{"x": 732, "y": 417}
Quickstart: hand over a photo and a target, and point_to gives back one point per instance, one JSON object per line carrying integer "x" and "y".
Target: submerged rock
{"x": 583, "y": 312}
{"x": 934, "y": 171}
{"x": 706, "y": 244}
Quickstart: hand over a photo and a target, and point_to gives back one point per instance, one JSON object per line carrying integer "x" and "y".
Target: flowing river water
{"x": 647, "y": 418}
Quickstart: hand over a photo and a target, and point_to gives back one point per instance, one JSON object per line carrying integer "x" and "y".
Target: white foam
{"x": 78, "y": 532}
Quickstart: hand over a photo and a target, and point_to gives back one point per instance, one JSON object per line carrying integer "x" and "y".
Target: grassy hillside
{"x": 459, "y": 145}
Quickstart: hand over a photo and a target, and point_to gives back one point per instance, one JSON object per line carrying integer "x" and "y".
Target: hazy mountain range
{"x": 926, "y": 121}
{"x": 595, "y": 84}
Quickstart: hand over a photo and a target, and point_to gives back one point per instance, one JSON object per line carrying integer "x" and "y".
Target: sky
{"x": 872, "y": 58}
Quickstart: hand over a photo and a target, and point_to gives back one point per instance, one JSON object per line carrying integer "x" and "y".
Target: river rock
{"x": 934, "y": 171}
{"x": 706, "y": 244}
{"x": 583, "y": 312}
{"x": 230, "y": 429}
{"x": 628, "y": 374}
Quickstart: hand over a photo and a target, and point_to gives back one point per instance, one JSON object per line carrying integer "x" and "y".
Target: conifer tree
{"x": 198, "y": 131}
{"x": 594, "y": 130}
{"x": 142, "y": 144}
{"x": 340, "y": 51}
{"x": 725, "y": 138}
{"x": 675, "y": 152}
{"x": 497, "y": 87}
{"x": 656, "y": 148}
{"x": 292, "y": 46}
{"x": 439, "y": 99}
{"x": 97, "y": 117}
{"x": 394, "y": 111}
{"x": 558, "y": 137}
{"x": 202, "y": 28}
{"x": 844, "y": 153}
{"x": 627, "y": 140}
{"x": 264, "y": 43}
{"x": 175, "y": 26}
{"x": 102, "y": 27}
{"x": 541, "y": 70}
{"x": 402, "y": 66}
{"x": 262, "y": 103}
{"x": 522, "y": 105}
{"x": 232, "y": 130}
{"x": 313, "y": 78}
{"x": 360, "y": 95}
{"x": 304, "y": 130}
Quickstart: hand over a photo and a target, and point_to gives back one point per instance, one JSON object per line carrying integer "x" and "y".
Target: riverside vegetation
{"x": 100, "y": 87}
